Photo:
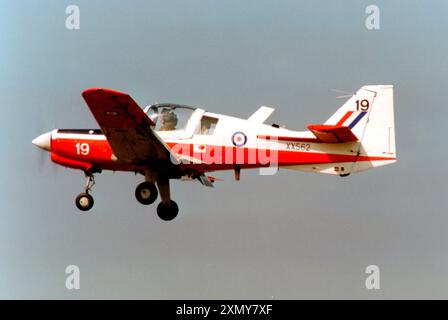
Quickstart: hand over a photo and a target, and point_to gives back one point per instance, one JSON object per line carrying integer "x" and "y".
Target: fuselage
{"x": 234, "y": 142}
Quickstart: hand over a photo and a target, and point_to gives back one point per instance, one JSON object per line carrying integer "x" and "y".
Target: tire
{"x": 84, "y": 201}
{"x": 167, "y": 211}
{"x": 146, "y": 193}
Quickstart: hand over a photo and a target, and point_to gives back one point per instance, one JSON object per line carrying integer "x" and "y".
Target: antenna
{"x": 346, "y": 93}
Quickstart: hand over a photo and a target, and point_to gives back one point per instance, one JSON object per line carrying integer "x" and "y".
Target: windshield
{"x": 168, "y": 117}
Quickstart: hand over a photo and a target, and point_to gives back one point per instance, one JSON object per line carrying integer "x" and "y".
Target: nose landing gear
{"x": 84, "y": 201}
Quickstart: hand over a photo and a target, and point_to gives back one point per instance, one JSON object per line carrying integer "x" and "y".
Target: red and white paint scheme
{"x": 171, "y": 141}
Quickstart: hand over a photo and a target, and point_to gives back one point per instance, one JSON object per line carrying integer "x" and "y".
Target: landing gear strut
{"x": 84, "y": 201}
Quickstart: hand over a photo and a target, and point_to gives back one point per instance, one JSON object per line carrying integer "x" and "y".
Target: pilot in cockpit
{"x": 205, "y": 125}
{"x": 168, "y": 120}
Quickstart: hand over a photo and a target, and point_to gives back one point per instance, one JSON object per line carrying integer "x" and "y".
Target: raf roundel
{"x": 239, "y": 139}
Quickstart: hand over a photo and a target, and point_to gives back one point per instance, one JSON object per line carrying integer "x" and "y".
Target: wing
{"x": 332, "y": 134}
{"x": 126, "y": 127}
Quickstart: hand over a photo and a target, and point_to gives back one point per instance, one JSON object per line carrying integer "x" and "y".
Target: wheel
{"x": 146, "y": 193}
{"x": 167, "y": 211}
{"x": 84, "y": 201}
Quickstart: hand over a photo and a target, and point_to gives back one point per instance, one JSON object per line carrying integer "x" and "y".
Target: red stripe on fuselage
{"x": 64, "y": 152}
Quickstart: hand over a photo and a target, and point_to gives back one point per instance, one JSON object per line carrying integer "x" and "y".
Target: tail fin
{"x": 369, "y": 113}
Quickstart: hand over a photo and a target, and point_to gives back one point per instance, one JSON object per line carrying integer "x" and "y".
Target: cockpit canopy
{"x": 170, "y": 117}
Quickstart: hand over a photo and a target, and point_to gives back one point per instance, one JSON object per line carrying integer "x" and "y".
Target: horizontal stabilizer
{"x": 332, "y": 133}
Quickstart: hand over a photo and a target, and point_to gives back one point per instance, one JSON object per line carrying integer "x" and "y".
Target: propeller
{"x": 43, "y": 159}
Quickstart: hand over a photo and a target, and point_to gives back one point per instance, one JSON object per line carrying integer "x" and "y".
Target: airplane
{"x": 167, "y": 141}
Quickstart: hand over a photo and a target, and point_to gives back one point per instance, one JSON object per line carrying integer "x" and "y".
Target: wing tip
{"x": 95, "y": 90}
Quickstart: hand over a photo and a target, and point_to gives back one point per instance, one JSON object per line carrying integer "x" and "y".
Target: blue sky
{"x": 293, "y": 235}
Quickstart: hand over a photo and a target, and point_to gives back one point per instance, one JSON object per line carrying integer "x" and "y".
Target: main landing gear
{"x": 167, "y": 209}
{"x": 146, "y": 193}
{"x": 84, "y": 201}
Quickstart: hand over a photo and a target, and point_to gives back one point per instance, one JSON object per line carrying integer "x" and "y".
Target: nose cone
{"x": 43, "y": 141}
